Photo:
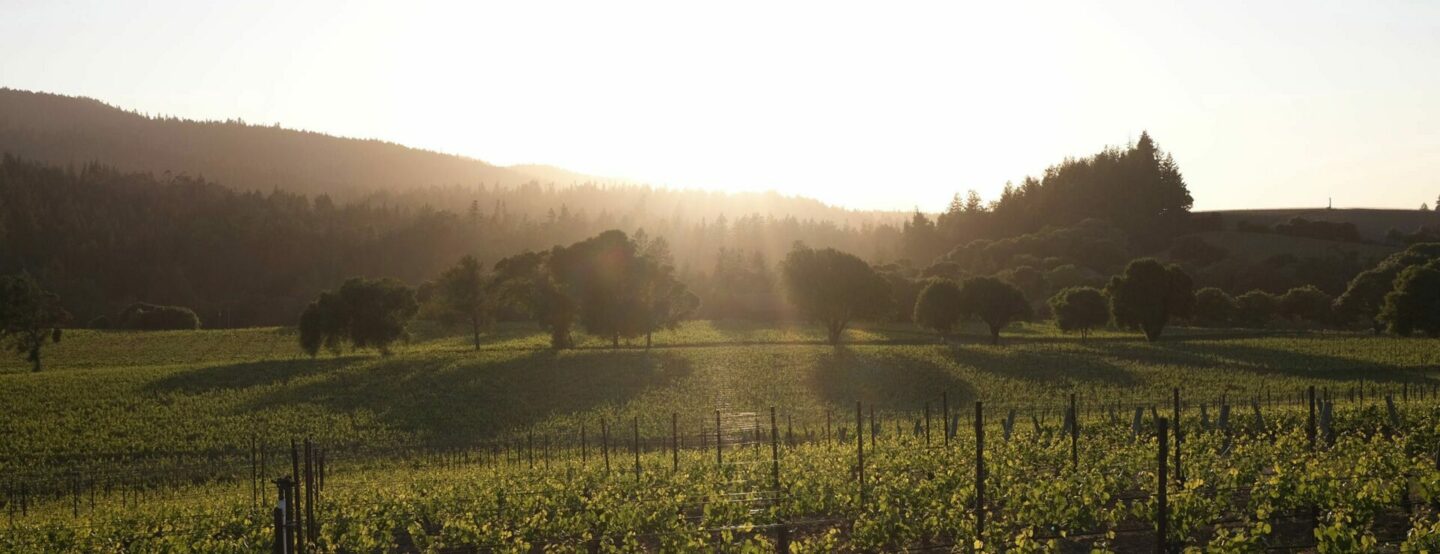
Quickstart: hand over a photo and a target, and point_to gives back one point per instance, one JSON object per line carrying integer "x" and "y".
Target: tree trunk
{"x": 994, "y": 335}
{"x": 1152, "y": 332}
{"x": 833, "y": 331}
{"x": 647, "y": 339}
{"x": 475, "y": 326}
{"x": 615, "y": 341}
{"x": 35, "y": 359}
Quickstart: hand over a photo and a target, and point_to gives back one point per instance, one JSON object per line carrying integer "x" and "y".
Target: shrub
{"x": 1214, "y": 308}
{"x": 152, "y": 317}
{"x": 1080, "y": 309}
{"x": 938, "y": 306}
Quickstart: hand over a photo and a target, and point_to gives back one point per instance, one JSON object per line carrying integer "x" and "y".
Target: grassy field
{"x": 138, "y": 395}
{"x": 179, "y": 410}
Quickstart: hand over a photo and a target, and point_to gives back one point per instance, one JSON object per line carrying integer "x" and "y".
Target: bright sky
{"x": 874, "y": 105}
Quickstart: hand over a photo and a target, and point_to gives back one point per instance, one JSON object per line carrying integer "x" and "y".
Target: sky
{"x": 885, "y": 105}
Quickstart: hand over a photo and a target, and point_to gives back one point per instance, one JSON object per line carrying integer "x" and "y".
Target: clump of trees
{"x": 1214, "y": 308}
{"x": 1256, "y": 308}
{"x": 1414, "y": 304}
{"x": 367, "y": 313}
{"x": 244, "y": 258}
{"x": 1148, "y": 294}
{"x": 30, "y": 317}
{"x": 152, "y": 317}
{"x": 1145, "y": 197}
{"x": 942, "y": 304}
{"x": 462, "y": 292}
{"x": 1364, "y": 297}
{"x": 615, "y": 287}
{"x": 1307, "y": 303}
{"x": 740, "y": 285}
{"x": 995, "y": 302}
{"x": 1301, "y": 227}
{"x": 833, "y": 288}
{"x": 1080, "y": 309}
{"x": 938, "y": 306}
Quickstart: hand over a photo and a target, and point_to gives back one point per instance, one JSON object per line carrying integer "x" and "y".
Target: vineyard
{"x": 171, "y": 442}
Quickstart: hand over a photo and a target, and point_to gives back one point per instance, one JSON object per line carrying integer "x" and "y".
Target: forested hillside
{"x": 246, "y": 223}
{"x": 104, "y": 238}
{"x": 73, "y": 131}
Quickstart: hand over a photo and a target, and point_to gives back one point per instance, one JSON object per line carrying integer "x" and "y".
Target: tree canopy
{"x": 1214, "y": 308}
{"x": 1148, "y": 294}
{"x": 614, "y": 286}
{"x": 29, "y": 316}
{"x": 938, "y": 306}
{"x": 367, "y": 313}
{"x": 1365, "y": 295}
{"x": 1414, "y": 303}
{"x": 462, "y": 290}
{"x": 995, "y": 302}
{"x": 1138, "y": 188}
{"x": 1080, "y": 309}
{"x": 833, "y": 288}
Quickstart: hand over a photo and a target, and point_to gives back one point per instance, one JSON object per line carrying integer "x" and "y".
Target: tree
{"x": 995, "y": 302}
{"x": 368, "y": 313}
{"x": 1029, "y": 280}
{"x": 1080, "y": 309}
{"x": 462, "y": 290}
{"x": 527, "y": 285}
{"x": 938, "y": 306}
{"x": 29, "y": 316}
{"x": 903, "y": 290}
{"x": 1365, "y": 295}
{"x": 665, "y": 301}
{"x": 833, "y": 288}
{"x": 920, "y": 242}
{"x": 1139, "y": 189}
{"x": 1214, "y": 307}
{"x": 323, "y": 324}
{"x": 1256, "y": 308}
{"x": 1414, "y": 304}
{"x": 1148, "y": 294}
{"x": 605, "y": 276}
{"x": 142, "y": 315}
{"x": 1307, "y": 303}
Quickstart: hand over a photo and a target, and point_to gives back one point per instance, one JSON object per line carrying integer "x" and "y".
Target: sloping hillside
{"x": 1257, "y": 247}
{"x": 68, "y": 130}
{"x": 1372, "y": 223}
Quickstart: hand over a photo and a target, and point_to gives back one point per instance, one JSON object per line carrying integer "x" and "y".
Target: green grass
{"x": 166, "y": 408}
{"x": 133, "y": 396}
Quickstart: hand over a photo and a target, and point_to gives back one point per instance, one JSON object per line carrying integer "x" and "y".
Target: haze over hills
{"x": 72, "y": 131}
{"x": 90, "y": 190}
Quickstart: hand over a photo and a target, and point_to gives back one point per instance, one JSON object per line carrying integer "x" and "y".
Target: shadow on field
{"x": 449, "y": 400}
{"x": 1043, "y": 367}
{"x": 247, "y": 374}
{"x": 887, "y": 381}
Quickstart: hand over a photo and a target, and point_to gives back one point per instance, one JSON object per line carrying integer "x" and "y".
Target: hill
{"x": 75, "y": 131}
{"x": 1257, "y": 247}
{"x": 1372, "y": 223}
{"x": 68, "y": 130}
